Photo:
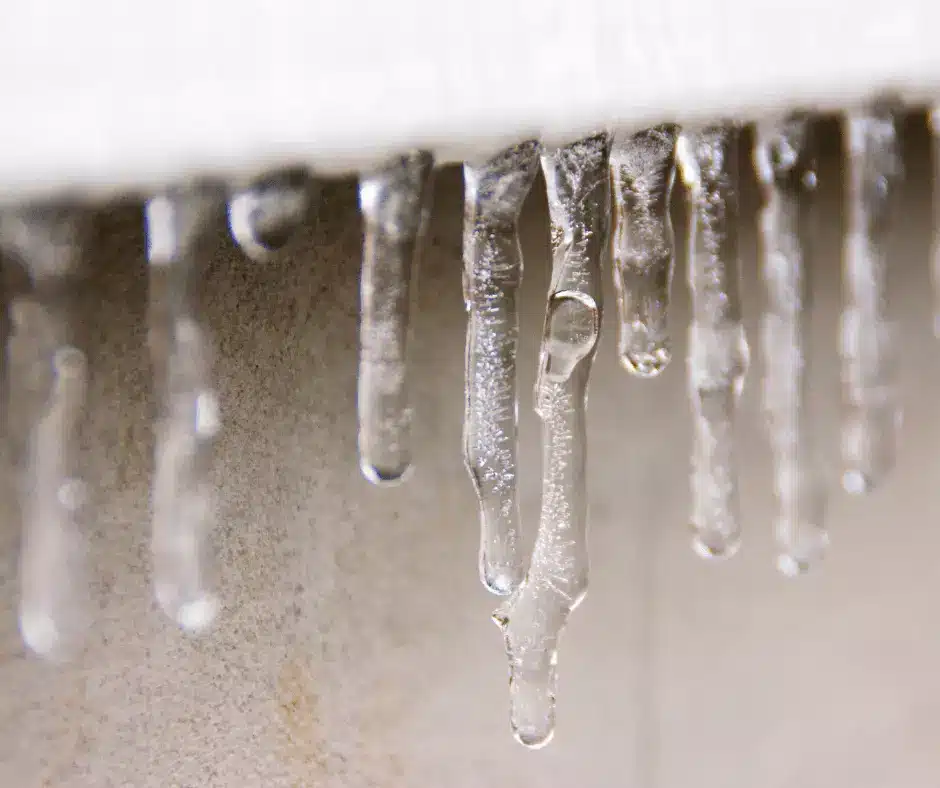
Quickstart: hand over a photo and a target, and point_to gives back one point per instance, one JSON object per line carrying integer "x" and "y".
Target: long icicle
{"x": 872, "y": 413}
{"x": 644, "y": 167}
{"x": 395, "y": 202}
{"x": 718, "y": 350}
{"x": 494, "y": 192}
{"x": 578, "y": 183}
{"x": 786, "y": 169}
{"x": 188, "y": 411}
{"x": 47, "y": 377}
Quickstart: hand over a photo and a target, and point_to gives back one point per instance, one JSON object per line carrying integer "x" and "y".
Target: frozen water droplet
{"x": 643, "y": 167}
{"x": 718, "y": 350}
{"x": 854, "y": 482}
{"x": 494, "y": 193}
{"x": 869, "y": 359}
{"x": 395, "y": 202}
{"x": 533, "y": 618}
{"x": 263, "y": 217}
{"x": 715, "y": 546}
{"x": 47, "y": 377}
{"x": 188, "y": 419}
{"x": 789, "y": 370}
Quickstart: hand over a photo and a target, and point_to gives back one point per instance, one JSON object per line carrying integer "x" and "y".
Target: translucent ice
{"x": 494, "y": 191}
{"x": 718, "y": 350}
{"x": 188, "y": 419}
{"x": 263, "y": 216}
{"x": 47, "y": 377}
{"x": 395, "y": 202}
{"x": 578, "y": 183}
{"x": 783, "y": 158}
{"x": 872, "y": 413}
{"x": 644, "y": 167}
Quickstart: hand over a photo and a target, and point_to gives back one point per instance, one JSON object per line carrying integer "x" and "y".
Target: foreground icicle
{"x": 786, "y": 171}
{"x": 264, "y": 216}
{"x": 578, "y": 184}
{"x": 47, "y": 377}
{"x": 718, "y": 351}
{"x": 394, "y": 202}
{"x": 644, "y": 167}
{"x": 493, "y": 195}
{"x": 188, "y": 420}
{"x": 868, "y": 366}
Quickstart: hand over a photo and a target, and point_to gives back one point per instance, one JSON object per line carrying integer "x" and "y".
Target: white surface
{"x": 102, "y": 95}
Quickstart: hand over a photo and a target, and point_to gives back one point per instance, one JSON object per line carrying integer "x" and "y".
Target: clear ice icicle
{"x": 532, "y": 619}
{"x": 47, "y": 377}
{"x": 872, "y": 414}
{"x": 263, "y": 216}
{"x": 786, "y": 171}
{"x": 718, "y": 350}
{"x": 494, "y": 192}
{"x": 188, "y": 409}
{"x": 395, "y": 202}
{"x": 644, "y": 167}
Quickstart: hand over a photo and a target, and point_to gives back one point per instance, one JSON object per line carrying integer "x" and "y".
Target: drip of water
{"x": 718, "y": 350}
{"x": 643, "y": 167}
{"x": 494, "y": 193}
{"x": 47, "y": 381}
{"x": 263, "y": 217}
{"x": 395, "y": 202}
{"x": 532, "y": 619}
{"x": 188, "y": 420}
{"x": 786, "y": 170}
{"x": 872, "y": 412}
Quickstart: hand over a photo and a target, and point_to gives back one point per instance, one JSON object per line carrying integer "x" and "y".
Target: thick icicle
{"x": 395, "y": 203}
{"x": 494, "y": 192}
{"x": 264, "y": 216}
{"x": 644, "y": 168}
{"x": 786, "y": 170}
{"x": 532, "y": 619}
{"x": 188, "y": 410}
{"x": 872, "y": 415}
{"x": 47, "y": 376}
{"x": 718, "y": 350}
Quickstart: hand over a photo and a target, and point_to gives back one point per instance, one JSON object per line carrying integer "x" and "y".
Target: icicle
{"x": 395, "y": 203}
{"x": 644, "y": 167}
{"x": 264, "y": 216}
{"x": 188, "y": 420}
{"x": 47, "y": 378}
{"x": 786, "y": 169}
{"x": 494, "y": 193}
{"x": 718, "y": 351}
{"x": 873, "y": 165}
{"x": 578, "y": 183}
{"x": 934, "y": 122}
